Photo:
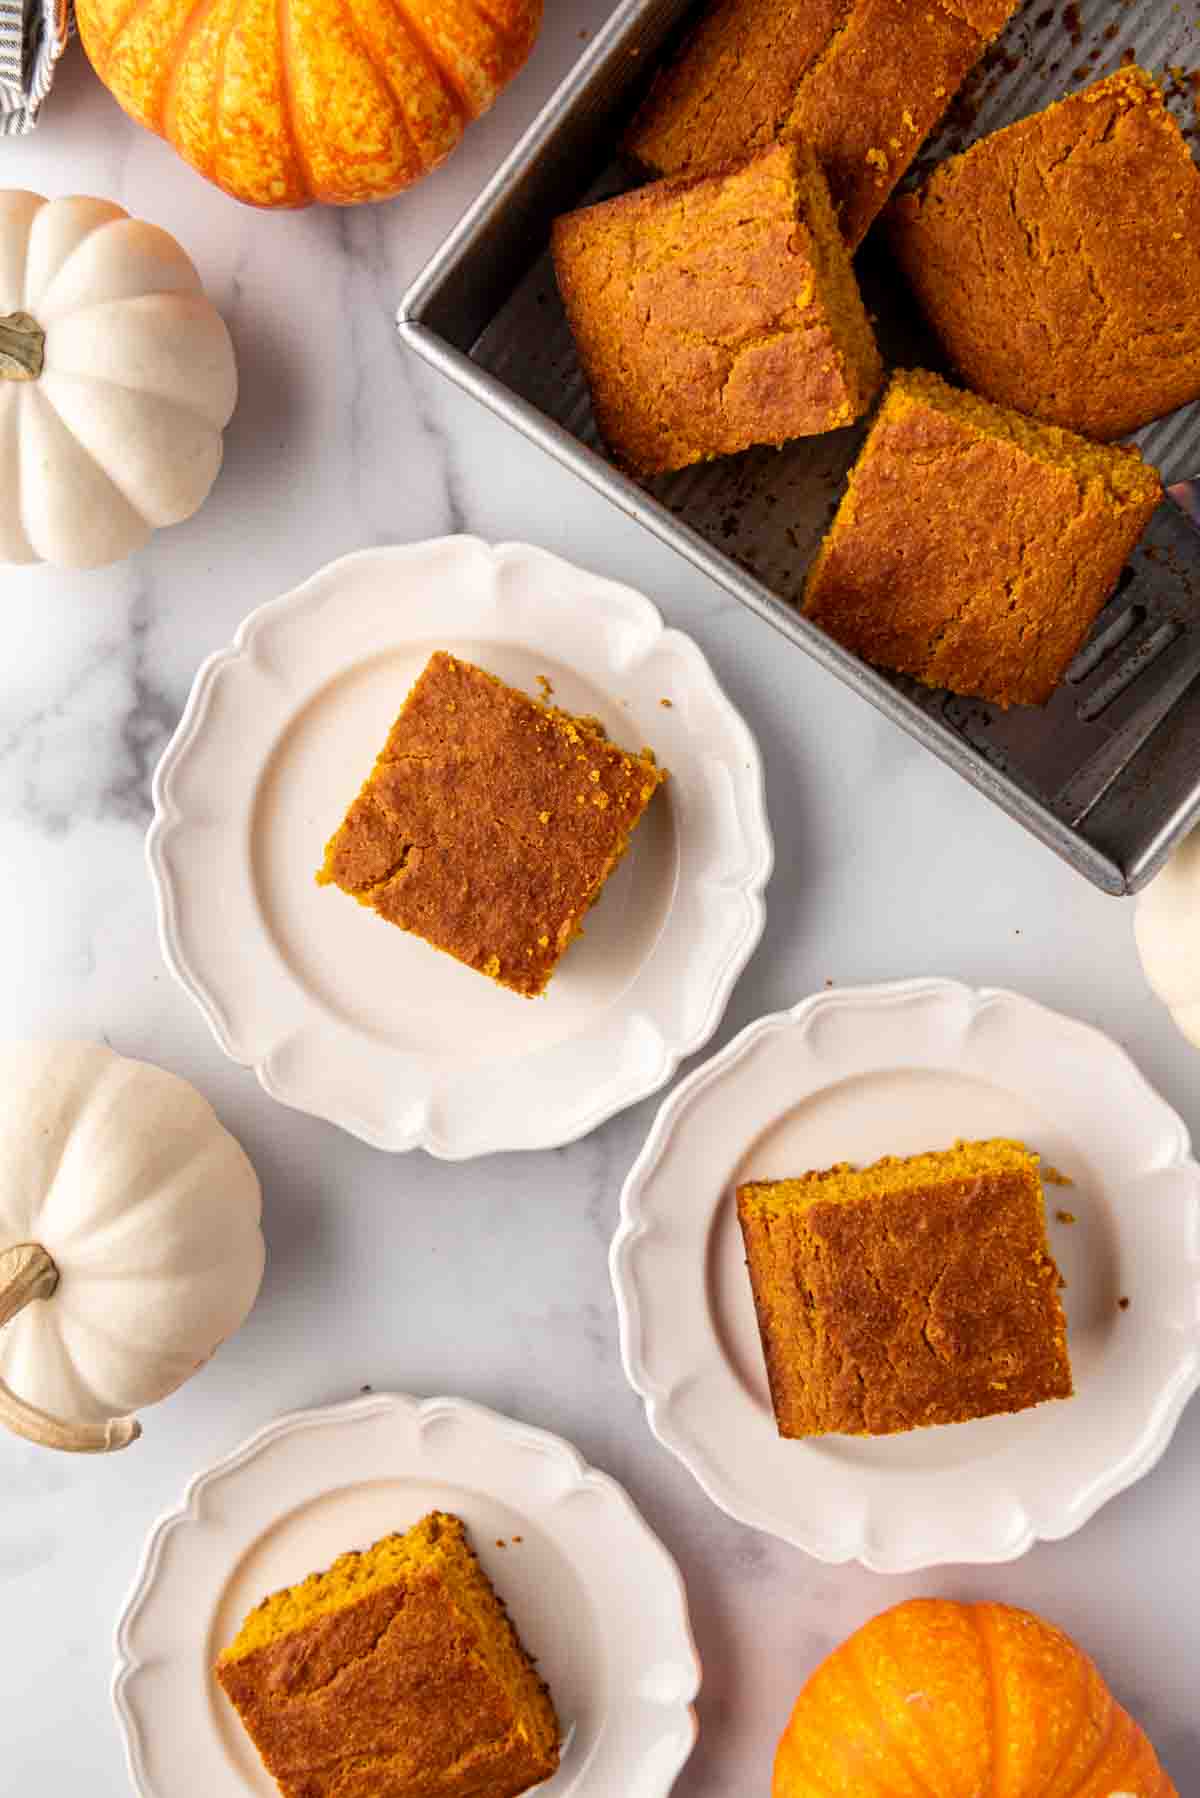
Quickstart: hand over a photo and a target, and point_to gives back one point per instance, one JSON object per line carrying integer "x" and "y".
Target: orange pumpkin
{"x": 282, "y": 102}
{"x": 965, "y": 1701}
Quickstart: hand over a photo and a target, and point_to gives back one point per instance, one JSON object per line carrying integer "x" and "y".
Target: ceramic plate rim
{"x": 748, "y": 848}
{"x": 871, "y": 1545}
{"x": 414, "y": 1415}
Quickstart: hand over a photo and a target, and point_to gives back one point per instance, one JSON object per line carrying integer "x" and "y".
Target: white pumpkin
{"x": 1167, "y": 926}
{"x": 130, "y": 1244}
{"x": 117, "y": 379}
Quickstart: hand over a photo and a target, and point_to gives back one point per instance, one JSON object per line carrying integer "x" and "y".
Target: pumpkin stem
{"x": 22, "y": 347}
{"x": 28, "y": 1273}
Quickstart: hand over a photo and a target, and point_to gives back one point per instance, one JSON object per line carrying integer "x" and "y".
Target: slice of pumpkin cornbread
{"x": 1058, "y": 260}
{"x": 915, "y": 1291}
{"x": 717, "y": 311}
{"x": 863, "y": 81}
{"x": 974, "y": 548}
{"x": 394, "y": 1674}
{"x": 489, "y": 823}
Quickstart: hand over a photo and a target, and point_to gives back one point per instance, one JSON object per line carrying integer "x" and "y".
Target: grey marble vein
{"x": 384, "y": 381}
{"x": 434, "y": 434}
{"x": 88, "y": 751}
{"x": 146, "y": 726}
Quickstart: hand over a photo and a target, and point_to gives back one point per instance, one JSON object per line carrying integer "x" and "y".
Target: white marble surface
{"x": 487, "y": 1279}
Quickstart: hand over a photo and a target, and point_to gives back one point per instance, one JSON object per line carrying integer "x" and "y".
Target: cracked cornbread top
{"x": 863, "y": 81}
{"x": 395, "y": 1671}
{"x": 1059, "y": 260}
{"x": 716, "y": 312}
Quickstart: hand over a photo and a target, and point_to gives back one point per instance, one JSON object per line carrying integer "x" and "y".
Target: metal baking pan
{"x": 1108, "y": 774}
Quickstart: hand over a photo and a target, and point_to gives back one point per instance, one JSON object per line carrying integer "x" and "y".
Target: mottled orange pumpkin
{"x": 962, "y": 1701}
{"x": 282, "y": 102}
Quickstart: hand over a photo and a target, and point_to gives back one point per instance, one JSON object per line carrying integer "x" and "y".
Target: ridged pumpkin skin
{"x": 940, "y": 1700}
{"x": 282, "y": 102}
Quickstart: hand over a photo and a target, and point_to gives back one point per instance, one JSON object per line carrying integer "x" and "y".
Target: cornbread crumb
{"x": 397, "y": 1671}
{"x": 1051, "y": 1176}
{"x": 1065, "y": 1217}
{"x": 1058, "y": 260}
{"x": 913, "y": 1292}
{"x": 842, "y": 75}
{"x": 716, "y": 311}
{"x": 974, "y": 548}
{"x": 448, "y": 838}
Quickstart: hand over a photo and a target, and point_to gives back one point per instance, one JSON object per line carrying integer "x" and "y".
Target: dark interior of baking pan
{"x": 1109, "y": 771}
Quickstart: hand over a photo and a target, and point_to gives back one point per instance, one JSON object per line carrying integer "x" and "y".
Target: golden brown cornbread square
{"x": 489, "y": 823}
{"x": 394, "y": 1674}
{"x": 916, "y": 1291}
{"x": 863, "y": 81}
{"x": 716, "y": 312}
{"x": 1058, "y": 260}
{"x": 974, "y": 548}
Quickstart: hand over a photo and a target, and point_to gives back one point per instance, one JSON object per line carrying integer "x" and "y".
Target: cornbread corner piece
{"x": 974, "y": 548}
{"x": 489, "y": 823}
{"x": 1059, "y": 260}
{"x": 914, "y": 1292}
{"x": 717, "y": 311}
{"x": 863, "y": 81}
{"x": 394, "y": 1674}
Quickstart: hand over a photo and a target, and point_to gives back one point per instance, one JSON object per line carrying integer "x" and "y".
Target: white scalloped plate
{"x": 851, "y": 1075}
{"x": 353, "y": 1020}
{"x": 595, "y": 1597}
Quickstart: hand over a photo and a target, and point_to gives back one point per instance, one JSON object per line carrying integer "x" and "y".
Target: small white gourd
{"x": 117, "y": 379}
{"x": 130, "y": 1244}
{"x": 1167, "y": 927}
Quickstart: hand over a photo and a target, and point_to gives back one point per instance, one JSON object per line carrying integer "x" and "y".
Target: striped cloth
{"x": 32, "y": 36}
